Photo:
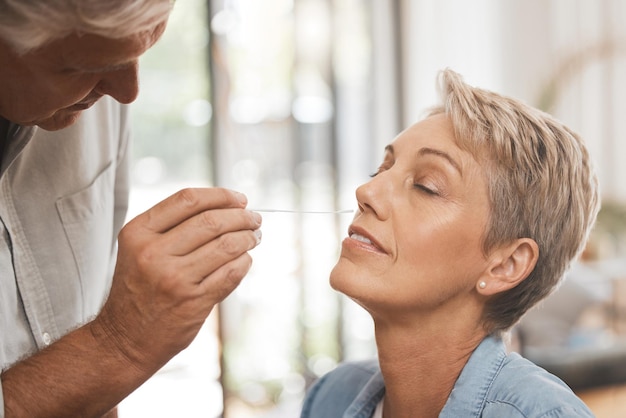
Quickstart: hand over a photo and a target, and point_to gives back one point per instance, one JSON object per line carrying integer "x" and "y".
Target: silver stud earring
{"x": 482, "y": 285}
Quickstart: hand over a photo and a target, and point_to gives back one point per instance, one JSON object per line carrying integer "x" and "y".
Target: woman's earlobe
{"x": 511, "y": 265}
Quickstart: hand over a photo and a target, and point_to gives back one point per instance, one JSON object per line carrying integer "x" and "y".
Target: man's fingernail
{"x": 241, "y": 197}
{"x": 257, "y": 217}
{"x": 258, "y": 235}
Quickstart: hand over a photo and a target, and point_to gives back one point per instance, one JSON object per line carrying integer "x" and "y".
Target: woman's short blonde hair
{"x": 541, "y": 186}
{"x": 30, "y": 24}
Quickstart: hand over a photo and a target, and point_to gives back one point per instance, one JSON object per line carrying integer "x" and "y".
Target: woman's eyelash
{"x": 420, "y": 186}
{"x": 425, "y": 189}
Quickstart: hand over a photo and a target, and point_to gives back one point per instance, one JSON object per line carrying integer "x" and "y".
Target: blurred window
{"x": 292, "y": 102}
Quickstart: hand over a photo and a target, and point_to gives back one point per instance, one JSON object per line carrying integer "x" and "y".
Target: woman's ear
{"x": 508, "y": 266}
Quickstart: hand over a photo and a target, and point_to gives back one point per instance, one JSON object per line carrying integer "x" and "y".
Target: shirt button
{"x": 46, "y": 338}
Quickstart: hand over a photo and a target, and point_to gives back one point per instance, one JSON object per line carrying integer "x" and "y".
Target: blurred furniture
{"x": 606, "y": 402}
{"x": 579, "y": 332}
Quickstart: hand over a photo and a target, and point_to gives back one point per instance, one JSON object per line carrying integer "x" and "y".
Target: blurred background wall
{"x": 292, "y": 102}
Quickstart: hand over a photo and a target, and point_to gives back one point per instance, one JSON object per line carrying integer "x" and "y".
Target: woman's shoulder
{"x": 517, "y": 370}
{"x": 496, "y": 384}
{"x": 523, "y": 385}
{"x": 339, "y": 388}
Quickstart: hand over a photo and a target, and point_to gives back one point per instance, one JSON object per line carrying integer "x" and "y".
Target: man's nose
{"x": 122, "y": 84}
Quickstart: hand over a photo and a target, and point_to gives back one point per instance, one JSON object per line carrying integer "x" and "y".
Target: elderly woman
{"x": 472, "y": 218}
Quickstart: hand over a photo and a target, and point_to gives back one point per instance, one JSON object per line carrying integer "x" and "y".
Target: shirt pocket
{"x": 87, "y": 218}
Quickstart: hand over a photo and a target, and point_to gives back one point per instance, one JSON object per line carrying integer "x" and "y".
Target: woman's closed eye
{"x": 426, "y": 189}
{"x": 431, "y": 190}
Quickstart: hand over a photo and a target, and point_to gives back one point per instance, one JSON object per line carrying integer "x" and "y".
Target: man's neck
{"x": 4, "y": 127}
{"x": 4, "y": 135}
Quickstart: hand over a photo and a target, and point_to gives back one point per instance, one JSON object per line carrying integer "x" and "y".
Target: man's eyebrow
{"x": 389, "y": 149}
{"x": 442, "y": 154}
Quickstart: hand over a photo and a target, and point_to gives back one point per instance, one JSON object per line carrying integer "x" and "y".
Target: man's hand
{"x": 175, "y": 262}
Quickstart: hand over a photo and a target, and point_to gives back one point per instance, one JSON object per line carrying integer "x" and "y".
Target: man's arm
{"x": 79, "y": 375}
{"x": 175, "y": 262}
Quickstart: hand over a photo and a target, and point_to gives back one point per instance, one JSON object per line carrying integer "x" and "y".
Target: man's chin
{"x": 60, "y": 120}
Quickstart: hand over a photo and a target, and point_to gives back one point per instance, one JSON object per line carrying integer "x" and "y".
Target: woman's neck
{"x": 421, "y": 364}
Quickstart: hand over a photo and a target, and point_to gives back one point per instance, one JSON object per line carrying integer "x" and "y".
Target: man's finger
{"x": 209, "y": 258}
{"x": 207, "y": 226}
{"x": 221, "y": 283}
{"x": 187, "y": 203}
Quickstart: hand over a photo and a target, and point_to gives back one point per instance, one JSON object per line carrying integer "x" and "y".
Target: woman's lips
{"x": 360, "y": 238}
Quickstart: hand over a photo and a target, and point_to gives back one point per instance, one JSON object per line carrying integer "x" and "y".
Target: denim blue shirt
{"x": 493, "y": 384}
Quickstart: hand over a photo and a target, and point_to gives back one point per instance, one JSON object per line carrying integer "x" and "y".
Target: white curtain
{"x": 567, "y": 56}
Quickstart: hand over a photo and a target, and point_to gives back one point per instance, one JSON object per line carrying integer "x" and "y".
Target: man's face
{"x": 51, "y": 86}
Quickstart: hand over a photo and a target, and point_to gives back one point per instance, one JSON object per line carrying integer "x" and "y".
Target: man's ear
{"x": 508, "y": 266}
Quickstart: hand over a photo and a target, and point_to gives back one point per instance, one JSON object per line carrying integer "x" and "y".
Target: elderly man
{"x": 87, "y": 315}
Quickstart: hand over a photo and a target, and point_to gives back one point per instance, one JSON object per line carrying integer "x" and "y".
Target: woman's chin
{"x": 342, "y": 277}
{"x": 334, "y": 278}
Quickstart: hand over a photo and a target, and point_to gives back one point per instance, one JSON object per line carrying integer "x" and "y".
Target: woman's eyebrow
{"x": 442, "y": 154}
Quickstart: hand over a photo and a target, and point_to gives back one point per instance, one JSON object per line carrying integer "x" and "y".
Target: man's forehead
{"x": 91, "y": 52}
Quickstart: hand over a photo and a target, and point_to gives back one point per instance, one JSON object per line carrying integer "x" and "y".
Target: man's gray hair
{"x": 30, "y": 24}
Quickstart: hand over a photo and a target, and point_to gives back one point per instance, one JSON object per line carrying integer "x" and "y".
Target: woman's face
{"x": 416, "y": 242}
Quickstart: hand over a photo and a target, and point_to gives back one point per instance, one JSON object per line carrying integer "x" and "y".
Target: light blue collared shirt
{"x": 493, "y": 384}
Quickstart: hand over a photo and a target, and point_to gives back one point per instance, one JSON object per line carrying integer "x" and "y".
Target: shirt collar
{"x": 18, "y": 137}
{"x": 470, "y": 390}
{"x": 469, "y": 393}
{"x": 367, "y": 399}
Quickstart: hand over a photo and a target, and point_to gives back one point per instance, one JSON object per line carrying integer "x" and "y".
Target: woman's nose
{"x": 375, "y": 195}
{"x": 122, "y": 84}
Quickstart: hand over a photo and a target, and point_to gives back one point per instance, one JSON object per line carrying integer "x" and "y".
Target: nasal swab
{"x": 302, "y": 211}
